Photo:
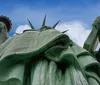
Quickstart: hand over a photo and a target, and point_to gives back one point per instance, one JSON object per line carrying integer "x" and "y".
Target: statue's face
{"x": 2, "y": 27}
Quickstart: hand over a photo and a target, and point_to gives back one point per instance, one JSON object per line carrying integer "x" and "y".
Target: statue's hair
{"x": 7, "y": 22}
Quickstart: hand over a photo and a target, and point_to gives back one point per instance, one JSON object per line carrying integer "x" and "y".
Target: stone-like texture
{"x": 53, "y": 60}
{"x": 47, "y": 57}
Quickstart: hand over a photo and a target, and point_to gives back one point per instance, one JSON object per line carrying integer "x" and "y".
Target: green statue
{"x": 46, "y": 57}
{"x": 5, "y": 25}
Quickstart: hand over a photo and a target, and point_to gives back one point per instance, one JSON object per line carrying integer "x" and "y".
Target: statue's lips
{"x": 30, "y": 44}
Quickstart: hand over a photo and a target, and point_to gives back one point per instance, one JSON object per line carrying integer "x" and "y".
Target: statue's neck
{"x": 3, "y": 37}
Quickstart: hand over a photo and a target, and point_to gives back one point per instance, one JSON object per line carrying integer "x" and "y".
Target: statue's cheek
{"x": 2, "y": 27}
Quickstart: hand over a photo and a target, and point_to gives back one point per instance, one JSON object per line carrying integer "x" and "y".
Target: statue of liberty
{"x": 47, "y": 57}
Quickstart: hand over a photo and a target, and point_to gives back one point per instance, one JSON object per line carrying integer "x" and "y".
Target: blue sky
{"x": 65, "y": 10}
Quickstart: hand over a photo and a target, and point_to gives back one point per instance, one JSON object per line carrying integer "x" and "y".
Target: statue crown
{"x": 44, "y": 27}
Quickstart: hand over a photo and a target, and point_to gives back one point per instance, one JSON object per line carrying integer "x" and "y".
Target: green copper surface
{"x": 46, "y": 57}
{"x": 31, "y": 25}
{"x": 3, "y": 33}
{"x": 94, "y": 36}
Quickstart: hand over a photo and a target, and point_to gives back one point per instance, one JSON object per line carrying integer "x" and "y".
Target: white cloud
{"x": 21, "y": 28}
{"x": 77, "y": 31}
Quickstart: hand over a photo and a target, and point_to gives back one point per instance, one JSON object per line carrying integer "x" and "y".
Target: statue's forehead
{"x": 39, "y": 31}
{"x": 47, "y": 34}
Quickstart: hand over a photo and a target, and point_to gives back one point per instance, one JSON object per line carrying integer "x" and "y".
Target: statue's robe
{"x": 46, "y": 58}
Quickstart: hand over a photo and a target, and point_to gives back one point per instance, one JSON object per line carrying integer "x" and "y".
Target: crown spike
{"x": 64, "y": 31}
{"x": 30, "y": 24}
{"x": 56, "y": 24}
{"x": 43, "y": 24}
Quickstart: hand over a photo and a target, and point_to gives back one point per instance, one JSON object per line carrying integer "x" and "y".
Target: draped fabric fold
{"x": 54, "y": 60}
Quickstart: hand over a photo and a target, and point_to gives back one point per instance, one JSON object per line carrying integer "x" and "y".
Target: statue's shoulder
{"x": 78, "y": 49}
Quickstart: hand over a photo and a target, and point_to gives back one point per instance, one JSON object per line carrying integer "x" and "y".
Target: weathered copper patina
{"x": 46, "y": 57}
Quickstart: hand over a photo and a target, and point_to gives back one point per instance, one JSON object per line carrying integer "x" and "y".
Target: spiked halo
{"x": 44, "y": 27}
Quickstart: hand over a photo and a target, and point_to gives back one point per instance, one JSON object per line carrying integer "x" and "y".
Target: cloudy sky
{"x": 75, "y": 15}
